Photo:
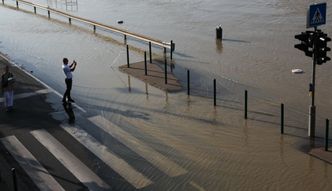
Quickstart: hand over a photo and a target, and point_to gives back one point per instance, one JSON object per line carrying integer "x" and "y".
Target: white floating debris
{"x": 297, "y": 71}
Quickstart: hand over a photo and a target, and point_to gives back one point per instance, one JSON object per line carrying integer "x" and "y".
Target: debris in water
{"x": 297, "y": 71}
{"x": 120, "y": 22}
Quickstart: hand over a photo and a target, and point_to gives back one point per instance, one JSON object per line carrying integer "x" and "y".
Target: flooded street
{"x": 209, "y": 148}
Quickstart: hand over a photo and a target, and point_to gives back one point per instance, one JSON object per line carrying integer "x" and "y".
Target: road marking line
{"x": 38, "y": 174}
{"x": 38, "y": 80}
{"x": 135, "y": 178}
{"x": 73, "y": 164}
{"x": 154, "y": 157}
{"x": 28, "y": 94}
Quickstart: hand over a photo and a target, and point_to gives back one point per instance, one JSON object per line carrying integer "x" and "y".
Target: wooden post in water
{"x": 150, "y": 52}
{"x": 35, "y": 10}
{"x": 282, "y": 119}
{"x": 145, "y": 65}
{"x": 165, "y": 65}
{"x": 327, "y": 135}
{"x": 188, "y": 82}
{"x": 246, "y": 104}
{"x": 14, "y": 179}
{"x": 214, "y": 92}
{"x": 49, "y": 14}
{"x": 128, "y": 56}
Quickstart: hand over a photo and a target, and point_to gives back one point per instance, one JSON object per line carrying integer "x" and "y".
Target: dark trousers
{"x": 69, "y": 83}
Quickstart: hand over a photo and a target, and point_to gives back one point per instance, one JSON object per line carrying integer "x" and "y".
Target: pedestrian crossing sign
{"x": 316, "y": 15}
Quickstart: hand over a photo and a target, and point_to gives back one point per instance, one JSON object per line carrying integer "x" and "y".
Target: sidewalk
{"x": 31, "y": 111}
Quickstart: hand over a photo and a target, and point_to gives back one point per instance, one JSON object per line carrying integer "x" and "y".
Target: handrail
{"x": 100, "y": 25}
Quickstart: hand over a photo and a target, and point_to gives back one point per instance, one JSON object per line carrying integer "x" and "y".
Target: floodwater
{"x": 219, "y": 149}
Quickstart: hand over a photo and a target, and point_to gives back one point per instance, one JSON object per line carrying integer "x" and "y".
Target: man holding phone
{"x": 68, "y": 69}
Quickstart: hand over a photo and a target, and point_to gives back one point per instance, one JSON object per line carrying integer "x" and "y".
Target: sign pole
{"x": 312, "y": 111}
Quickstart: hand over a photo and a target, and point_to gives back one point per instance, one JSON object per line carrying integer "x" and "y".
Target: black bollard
{"x": 246, "y": 104}
{"x": 94, "y": 28}
{"x": 171, "y": 50}
{"x": 3, "y": 2}
{"x": 14, "y": 179}
{"x": 127, "y": 56}
{"x": 34, "y": 10}
{"x": 49, "y": 14}
{"x": 165, "y": 65}
{"x": 214, "y": 92}
{"x": 327, "y": 135}
{"x": 150, "y": 52}
{"x": 219, "y": 32}
{"x": 69, "y": 20}
{"x": 282, "y": 119}
{"x": 17, "y": 5}
{"x": 188, "y": 82}
{"x": 125, "y": 39}
{"x": 145, "y": 66}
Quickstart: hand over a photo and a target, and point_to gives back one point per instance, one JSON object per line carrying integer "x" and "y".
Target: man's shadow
{"x": 69, "y": 110}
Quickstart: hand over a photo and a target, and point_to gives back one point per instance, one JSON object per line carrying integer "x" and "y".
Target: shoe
{"x": 71, "y": 100}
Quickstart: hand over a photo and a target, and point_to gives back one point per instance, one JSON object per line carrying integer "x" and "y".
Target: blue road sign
{"x": 316, "y": 15}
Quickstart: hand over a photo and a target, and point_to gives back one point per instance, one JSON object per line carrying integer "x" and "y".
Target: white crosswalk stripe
{"x": 154, "y": 157}
{"x": 38, "y": 174}
{"x": 73, "y": 164}
{"x": 135, "y": 178}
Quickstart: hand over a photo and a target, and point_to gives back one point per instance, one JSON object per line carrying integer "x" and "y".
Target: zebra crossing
{"x": 45, "y": 181}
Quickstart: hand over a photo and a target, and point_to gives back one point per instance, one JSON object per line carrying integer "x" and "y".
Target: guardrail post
{"x": 145, "y": 66}
{"x": 188, "y": 82}
{"x": 282, "y": 119}
{"x": 246, "y": 104}
{"x": 327, "y": 135}
{"x": 34, "y": 10}
{"x": 214, "y": 92}
{"x": 49, "y": 14}
{"x": 14, "y": 179}
{"x": 171, "y": 50}
{"x": 165, "y": 65}
{"x": 69, "y": 20}
{"x": 150, "y": 52}
{"x": 128, "y": 56}
{"x": 94, "y": 28}
{"x": 17, "y": 5}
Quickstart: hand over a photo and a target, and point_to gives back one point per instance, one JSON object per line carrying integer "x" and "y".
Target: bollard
{"x": 3, "y": 2}
{"x": 14, "y": 179}
{"x": 282, "y": 119}
{"x": 49, "y": 14}
{"x": 127, "y": 56}
{"x": 188, "y": 82}
{"x": 165, "y": 65}
{"x": 94, "y": 28}
{"x": 246, "y": 104}
{"x": 145, "y": 66}
{"x": 69, "y": 20}
{"x": 35, "y": 10}
{"x": 327, "y": 135}
{"x": 17, "y": 5}
{"x": 214, "y": 92}
{"x": 171, "y": 50}
{"x": 125, "y": 39}
{"x": 150, "y": 52}
{"x": 219, "y": 32}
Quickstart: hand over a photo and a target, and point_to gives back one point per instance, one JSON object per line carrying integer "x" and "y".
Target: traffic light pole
{"x": 312, "y": 109}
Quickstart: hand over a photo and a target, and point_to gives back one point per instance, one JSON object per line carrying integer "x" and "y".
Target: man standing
{"x": 69, "y": 79}
{"x": 7, "y": 86}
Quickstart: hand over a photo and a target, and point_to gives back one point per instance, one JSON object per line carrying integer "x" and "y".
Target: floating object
{"x": 120, "y": 22}
{"x": 297, "y": 71}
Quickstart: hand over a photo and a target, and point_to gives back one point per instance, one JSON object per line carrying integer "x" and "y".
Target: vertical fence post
{"x": 94, "y": 28}
{"x": 35, "y": 10}
{"x": 49, "y": 14}
{"x": 171, "y": 50}
{"x": 214, "y": 92}
{"x": 145, "y": 65}
{"x": 246, "y": 104}
{"x": 150, "y": 52}
{"x": 17, "y": 5}
{"x": 282, "y": 119}
{"x": 125, "y": 39}
{"x": 188, "y": 82}
{"x": 127, "y": 56}
{"x": 69, "y": 20}
{"x": 14, "y": 179}
{"x": 165, "y": 65}
{"x": 327, "y": 135}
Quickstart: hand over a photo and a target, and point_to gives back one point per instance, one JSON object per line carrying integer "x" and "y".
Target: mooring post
{"x": 188, "y": 82}
{"x": 94, "y": 28}
{"x": 282, "y": 119}
{"x": 214, "y": 92}
{"x": 150, "y": 52}
{"x": 246, "y": 104}
{"x": 219, "y": 32}
{"x": 171, "y": 50}
{"x": 145, "y": 65}
{"x": 14, "y": 179}
{"x": 165, "y": 65}
{"x": 17, "y": 5}
{"x": 49, "y": 14}
{"x": 69, "y": 20}
{"x": 327, "y": 135}
{"x": 35, "y": 10}
{"x": 127, "y": 56}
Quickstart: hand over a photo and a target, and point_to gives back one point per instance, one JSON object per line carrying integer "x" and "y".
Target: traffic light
{"x": 321, "y": 48}
{"x": 306, "y": 45}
